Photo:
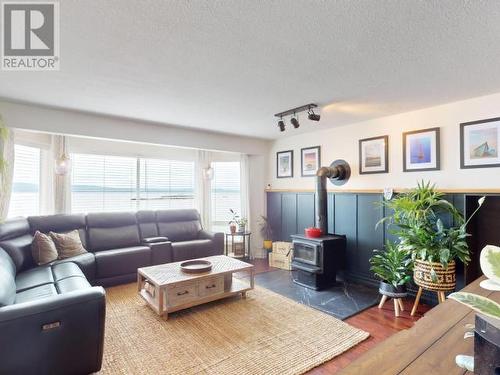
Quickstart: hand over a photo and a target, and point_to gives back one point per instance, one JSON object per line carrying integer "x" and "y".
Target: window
{"x": 103, "y": 183}
{"x": 115, "y": 183}
{"x": 166, "y": 184}
{"x": 25, "y": 198}
{"x": 225, "y": 193}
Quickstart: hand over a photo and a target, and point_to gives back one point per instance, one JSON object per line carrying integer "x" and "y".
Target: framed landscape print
{"x": 421, "y": 150}
{"x": 310, "y": 158}
{"x": 479, "y": 142}
{"x": 374, "y": 155}
{"x": 284, "y": 164}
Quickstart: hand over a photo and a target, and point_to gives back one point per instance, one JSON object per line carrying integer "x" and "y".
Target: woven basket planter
{"x": 446, "y": 278}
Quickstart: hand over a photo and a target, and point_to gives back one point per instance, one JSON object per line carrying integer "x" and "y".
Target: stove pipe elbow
{"x": 338, "y": 172}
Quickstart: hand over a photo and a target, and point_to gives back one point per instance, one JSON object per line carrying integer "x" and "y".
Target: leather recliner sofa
{"x": 51, "y": 316}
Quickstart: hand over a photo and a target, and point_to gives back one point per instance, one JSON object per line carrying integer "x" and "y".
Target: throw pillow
{"x": 43, "y": 249}
{"x": 68, "y": 244}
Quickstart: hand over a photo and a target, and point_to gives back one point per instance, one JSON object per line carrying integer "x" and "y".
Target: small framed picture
{"x": 310, "y": 158}
{"x": 479, "y": 142}
{"x": 374, "y": 155}
{"x": 421, "y": 150}
{"x": 284, "y": 164}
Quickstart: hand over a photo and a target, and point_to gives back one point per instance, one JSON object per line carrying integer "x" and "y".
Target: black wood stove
{"x": 315, "y": 261}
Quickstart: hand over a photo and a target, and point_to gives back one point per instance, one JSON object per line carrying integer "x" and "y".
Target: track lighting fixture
{"x": 294, "y": 118}
{"x": 281, "y": 125}
{"x": 313, "y": 116}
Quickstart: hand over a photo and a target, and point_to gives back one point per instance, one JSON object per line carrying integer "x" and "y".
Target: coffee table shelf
{"x": 167, "y": 289}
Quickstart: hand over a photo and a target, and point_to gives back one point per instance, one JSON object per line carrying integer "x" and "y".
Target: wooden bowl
{"x": 196, "y": 266}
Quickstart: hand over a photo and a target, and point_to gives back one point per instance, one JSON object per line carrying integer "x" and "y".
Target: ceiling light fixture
{"x": 281, "y": 125}
{"x": 293, "y": 115}
{"x": 312, "y": 116}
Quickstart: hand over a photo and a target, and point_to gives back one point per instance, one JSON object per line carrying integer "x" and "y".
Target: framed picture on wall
{"x": 374, "y": 155}
{"x": 284, "y": 164}
{"x": 479, "y": 142}
{"x": 421, "y": 150}
{"x": 310, "y": 158}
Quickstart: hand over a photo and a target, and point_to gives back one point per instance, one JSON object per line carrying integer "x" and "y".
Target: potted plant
{"x": 266, "y": 232}
{"x": 433, "y": 246}
{"x": 237, "y": 223}
{"x": 393, "y": 267}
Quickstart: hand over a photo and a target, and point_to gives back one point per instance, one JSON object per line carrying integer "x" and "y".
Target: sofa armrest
{"x": 150, "y": 240}
{"x": 216, "y": 237}
{"x": 68, "y": 327}
{"x": 161, "y": 252}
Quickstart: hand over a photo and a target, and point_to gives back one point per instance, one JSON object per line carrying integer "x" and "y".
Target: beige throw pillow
{"x": 43, "y": 249}
{"x": 68, "y": 244}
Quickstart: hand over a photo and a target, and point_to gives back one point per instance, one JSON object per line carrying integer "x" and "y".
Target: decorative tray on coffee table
{"x": 196, "y": 266}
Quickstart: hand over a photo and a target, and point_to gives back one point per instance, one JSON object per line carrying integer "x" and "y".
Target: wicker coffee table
{"x": 167, "y": 289}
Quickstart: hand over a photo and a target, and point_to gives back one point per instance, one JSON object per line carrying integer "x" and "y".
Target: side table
{"x": 242, "y": 238}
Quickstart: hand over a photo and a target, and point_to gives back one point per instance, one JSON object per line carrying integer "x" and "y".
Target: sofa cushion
{"x": 70, "y": 284}
{"x": 122, "y": 261}
{"x": 192, "y": 249}
{"x": 42, "y": 291}
{"x": 15, "y": 239}
{"x": 147, "y": 224}
{"x": 7, "y": 288}
{"x": 59, "y": 224}
{"x": 86, "y": 263}
{"x": 178, "y": 225}
{"x": 43, "y": 249}
{"x": 34, "y": 277}
{"x": 62, "y": 271}
{"x": 112, "y": 230}
{"x": 68, "y": 244}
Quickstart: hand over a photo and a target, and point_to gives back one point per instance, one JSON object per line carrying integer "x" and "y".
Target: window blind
{"x": 25, "y": 197}
{"x": 113, "y": 183}
{"x": 225, "y": 193}
{"x": 166, "y": 184}
{"x": 103, "y": 183}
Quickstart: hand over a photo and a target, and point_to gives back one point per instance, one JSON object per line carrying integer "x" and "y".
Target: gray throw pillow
{"x": 68, "y": 244}
{"x": 43, "y": 249}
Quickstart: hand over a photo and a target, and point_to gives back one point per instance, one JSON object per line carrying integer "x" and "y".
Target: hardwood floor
{"x": 380, "y": 323}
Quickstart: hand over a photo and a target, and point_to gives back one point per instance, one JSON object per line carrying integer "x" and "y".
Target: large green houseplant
{"x": 417, "y": 220}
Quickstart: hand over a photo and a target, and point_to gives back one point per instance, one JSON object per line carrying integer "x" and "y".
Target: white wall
{"x": 66, "y": 122}
{"x": 342, "y": 143}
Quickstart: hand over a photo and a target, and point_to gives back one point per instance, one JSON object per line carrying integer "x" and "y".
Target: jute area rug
{"x": 263, "y": 334}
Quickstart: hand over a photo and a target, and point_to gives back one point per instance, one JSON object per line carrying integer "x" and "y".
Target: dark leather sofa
{"x": 52, "y": 316}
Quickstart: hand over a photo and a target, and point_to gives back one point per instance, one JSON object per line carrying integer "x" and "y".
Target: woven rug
{"x": 263, "y": 334}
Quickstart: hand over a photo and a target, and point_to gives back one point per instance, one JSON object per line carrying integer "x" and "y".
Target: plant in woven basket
{"x": 392, "y": 265}
{"x": 417, "y": 221}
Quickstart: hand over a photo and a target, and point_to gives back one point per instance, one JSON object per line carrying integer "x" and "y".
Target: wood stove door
{"x": 306, "y": 253}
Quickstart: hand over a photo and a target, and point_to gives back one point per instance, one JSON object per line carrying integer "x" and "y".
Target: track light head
{"x": 313, "y": 116}
{"x": 295, "y": 122}
{"x": 281, "y": 125}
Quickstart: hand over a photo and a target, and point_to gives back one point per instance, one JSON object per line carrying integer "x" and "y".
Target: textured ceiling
{"x": 228, "y": 66}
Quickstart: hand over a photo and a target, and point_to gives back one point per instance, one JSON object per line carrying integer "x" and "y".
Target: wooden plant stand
{"x": 398, "y": 304}
{"x": 440, "y": 294}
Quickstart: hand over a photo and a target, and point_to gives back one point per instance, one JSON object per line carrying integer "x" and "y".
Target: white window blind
{"x": 25, "y": 198}
{"x": 225, "y": 193}
{"x": 166, "y": 184}
{"x": 114, "y": 183}
{"x": 103, "y": 183}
